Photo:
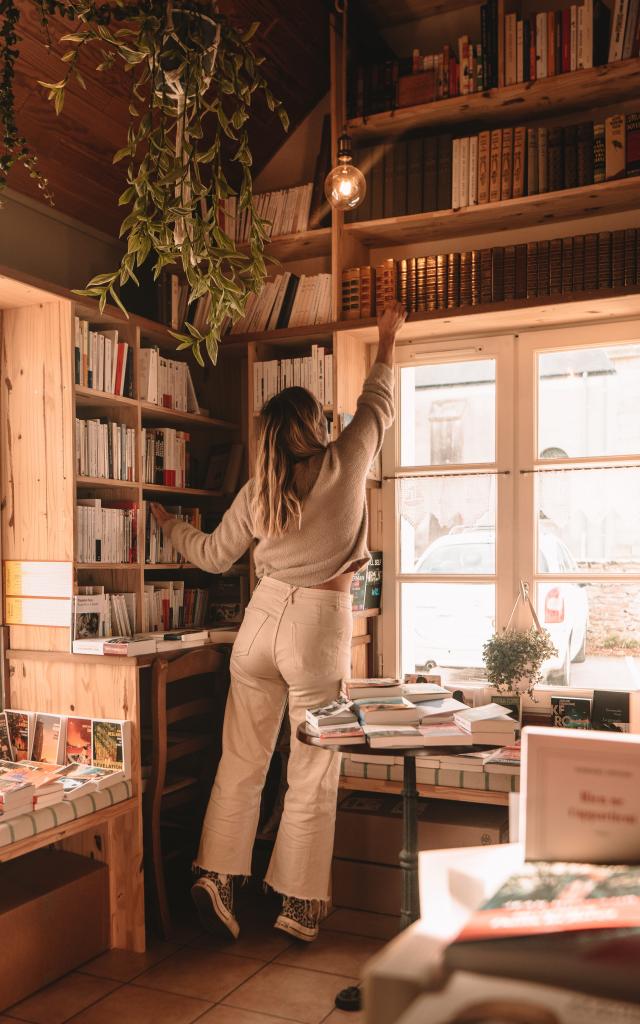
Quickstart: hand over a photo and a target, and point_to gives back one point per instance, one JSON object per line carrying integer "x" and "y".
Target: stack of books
{"x": 365, "y": 689}
{"x": 180, "y": 638}
{"x": 166, "y": 455}
{"x": 508, "y": 163}
{"x": 105, "y": 450}
{"x": 288, "y": 300}
{"x": 106, "y": 531}
{"x": 314, "y": 372}
{"x": 559, "y": 266}
{"x": 490, "y": 724}
{"x": 335, "y": 723}
{"x": 101, "y": 361}
{"x": 421, "y": 687}
{"x": 166, "y": 382}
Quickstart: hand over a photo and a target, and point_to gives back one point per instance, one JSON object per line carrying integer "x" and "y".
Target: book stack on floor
{"x": 511, "y": 49}
{"x": 335, "y": 723}
{"x": 105, "y": 449}
{"x": 106, "y": 531}
{"x": 559, "y": 266}
{"x": 166, "y": 455}
{"x": 47, "y": 758}
{"x": 285, "y": 210}
{"x": 102, "y": 362}
{"x": 166, "y": 382}
{"x": 314, "y": 372}
{"x": 288, "y": 300}
{"x": 508, "y": 163}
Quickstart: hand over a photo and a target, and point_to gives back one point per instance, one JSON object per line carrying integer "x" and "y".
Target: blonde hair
{"x": 291, "y": 428}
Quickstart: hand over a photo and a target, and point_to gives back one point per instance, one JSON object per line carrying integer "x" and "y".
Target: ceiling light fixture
{"x": 345, "y": 185}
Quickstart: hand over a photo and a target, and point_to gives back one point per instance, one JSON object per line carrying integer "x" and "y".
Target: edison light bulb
{"x": 345, "y": 186}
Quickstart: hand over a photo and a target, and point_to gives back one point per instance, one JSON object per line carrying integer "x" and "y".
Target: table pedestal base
{"x": 350, "y": 998}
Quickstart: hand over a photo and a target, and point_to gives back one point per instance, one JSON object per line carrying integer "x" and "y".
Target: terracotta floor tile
{"x": 130, "y": 1004}
{"x": 333, "y": 952}
{"x": 258, "y": 938}
{"x": 362, "y": 922}
{"x": 122, "y": 965}
{"x": 232, "y": 1015}
{"x": 282, "y": 991}
{"x": 200, "y": 972}
{"x": 343, "y": 1017}
{"x": 59, "y": 1001}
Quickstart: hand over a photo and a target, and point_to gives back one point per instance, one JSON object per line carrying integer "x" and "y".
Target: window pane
{"x": 588, "y": 520}
{"x": 445, "y": 624}
{"x": 588, "y": 402}
{"x": 448, "y": 413}
{"x": 595, "y": 629}
{"x": 447, "y": 524}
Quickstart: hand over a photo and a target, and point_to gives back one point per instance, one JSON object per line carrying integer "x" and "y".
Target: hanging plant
{"x": 193, "y": 80}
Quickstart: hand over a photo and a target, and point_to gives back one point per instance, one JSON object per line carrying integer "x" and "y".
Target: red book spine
{"x": 119, "y": 361}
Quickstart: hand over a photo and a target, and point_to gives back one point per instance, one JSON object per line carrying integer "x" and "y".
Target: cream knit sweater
{"x": 333, "y": 533}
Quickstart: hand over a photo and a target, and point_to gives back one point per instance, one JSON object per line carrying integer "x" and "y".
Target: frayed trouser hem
{"x": 323, "y": 904}
{"x": 195, "y": 867}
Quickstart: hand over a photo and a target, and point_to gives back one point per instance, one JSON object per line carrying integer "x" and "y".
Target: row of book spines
{"x": 580, "y": 263}
{"x": 508, "y": 163}
{"x": 511, "y": 49}
{"x": 170, "y": 607}
{"x": 105, "y": 450}
{"x": 314, "y": 372}
{"x": 166, "y": 455}
{"x": 285, "y": 210}
{"x": 101, "y": 361}
{"x": 412, "y": 175}
{"x": 458, "y": 778}
{"x": 105, "y": 533}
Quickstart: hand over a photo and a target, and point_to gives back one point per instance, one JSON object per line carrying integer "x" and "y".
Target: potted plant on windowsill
{"x": 193, "y": 78}
{"x": 513, "y": 658}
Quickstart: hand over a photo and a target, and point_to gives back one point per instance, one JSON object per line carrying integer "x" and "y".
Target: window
{"x": 479, "y": 498}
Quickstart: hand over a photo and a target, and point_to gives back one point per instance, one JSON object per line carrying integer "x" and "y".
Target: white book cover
{"x": 464, "y": 172}
{"x": 473, "y": 170}
{"x": 541, "y": 45}
{"x": 580, "y": 796}
{"x": 618, "y": 25}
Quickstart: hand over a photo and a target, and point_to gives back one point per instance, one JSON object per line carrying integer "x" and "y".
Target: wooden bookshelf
{"x": 153, "y": 414}
{"x": 507, "y": 215}
{"x": 300, "y": 245}
{"x": 91, "y": 398}
{"x": 196, "y": 492}
{"x": 573, "y": 91}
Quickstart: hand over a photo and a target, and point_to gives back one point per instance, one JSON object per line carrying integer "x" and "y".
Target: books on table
{"x": 424, "y": 687}
{"x": 399, "y": 737}
{"x": 348, "y": 734}
{"x": 357, "y": 689}
{"x": 489, "y": 724}
{"x": 444, "y": 734}
{"x": 386, "y": 711}
{"x": 338, "y": 712}
{"x": 504, "y": 761}
{"x": 440, "y": 710}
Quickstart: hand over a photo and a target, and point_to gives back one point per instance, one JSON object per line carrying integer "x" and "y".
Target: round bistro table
{"x": 349, "y": 998}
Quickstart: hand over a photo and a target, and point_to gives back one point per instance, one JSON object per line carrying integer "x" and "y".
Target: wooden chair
{"x": 177, "y": 735}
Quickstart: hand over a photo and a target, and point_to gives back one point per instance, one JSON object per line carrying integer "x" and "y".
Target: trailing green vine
{"x": 194, "y": 77}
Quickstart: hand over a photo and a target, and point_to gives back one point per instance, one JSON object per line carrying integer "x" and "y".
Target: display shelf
{"x": 167, "y": 566}
{"x": 94, "y": 398}
{"x": 285, "y": 337}
{"x": 584, "y": 89}
{"x": 106, "y": 565}
{"x": 301, "y": 245}
{"x": 195, "y": 491}
{"x": 470, "y": 796}
{"x": 507, "y": 215}
{"x": 98, "y": 481}
{"x": 519, "y": 314}
{"x": 158, "y": 413}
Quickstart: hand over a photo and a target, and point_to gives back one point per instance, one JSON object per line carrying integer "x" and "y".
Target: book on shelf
{"x": 166, "y": 455}
{"x": 106, "y": 531}
{"x": 105, "y": 449}
{"x": 111, "y": 745}
{"x": 96, "y": 612}
{"x": 166, "y": 382}
{"x": 48, "y": 738}
{"x": 313, "y": 372}
{"x": 224, "y": 467}
{"x": 366, "y": 586}
{"x": 78, "y": 741}
{"x": 6, "y": 750}
{"x": 20, "y": 728}
{"x": 610, "y": 711}
{"x": 227, "y": 601}
{"x": 287, "y": 300}
{"x": 169, "y": 604}
{"x": 102, "y": 361}
{"x": 511, "y": 49}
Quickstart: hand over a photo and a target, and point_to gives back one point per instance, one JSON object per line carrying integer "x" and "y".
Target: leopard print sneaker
{"x": 299, "y": 918}
{"x": 213, "y": 896}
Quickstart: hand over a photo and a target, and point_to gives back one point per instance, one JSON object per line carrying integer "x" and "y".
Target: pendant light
{"x": 345, "y": 185}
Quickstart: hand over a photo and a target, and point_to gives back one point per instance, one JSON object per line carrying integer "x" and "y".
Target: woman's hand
{"x": 389, "y": 322}
{"x": 160, "y": 513}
